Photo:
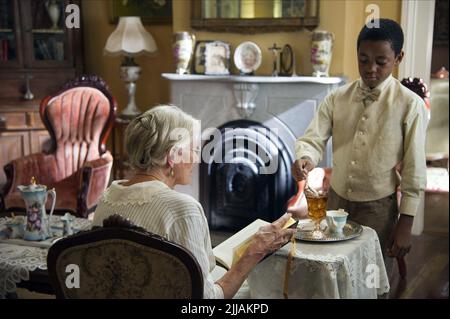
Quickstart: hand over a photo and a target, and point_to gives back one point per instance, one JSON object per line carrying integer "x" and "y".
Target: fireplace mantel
{"x": 284, "y": 104}
{"x": 253, "y": 79}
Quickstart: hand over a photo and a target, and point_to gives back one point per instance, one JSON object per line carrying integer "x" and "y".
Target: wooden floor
{"x": 427, "y": 265}
{"x": 428, "y": 270}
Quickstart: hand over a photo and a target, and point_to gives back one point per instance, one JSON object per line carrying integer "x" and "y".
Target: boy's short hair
{"x": 388, "y": 30}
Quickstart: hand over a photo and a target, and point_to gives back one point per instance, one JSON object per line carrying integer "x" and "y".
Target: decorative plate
{"x": 247, "y": 57}
{"x": 351, "y": 230}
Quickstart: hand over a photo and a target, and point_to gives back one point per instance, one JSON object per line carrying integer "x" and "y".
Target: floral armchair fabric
{"x": 122, "y": 261}
{"x": 79, "y": 119}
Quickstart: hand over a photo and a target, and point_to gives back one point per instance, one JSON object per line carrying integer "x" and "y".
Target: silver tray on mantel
{"x": 351, "y": 230}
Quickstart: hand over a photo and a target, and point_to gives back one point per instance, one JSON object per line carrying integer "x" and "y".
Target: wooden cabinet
{"x": 39, "y": 141}
{"x": 21, "y": 132}
{"x": 13, "y": 145}
{"x": 38, "y": 54}
{"x": 37, "y": 50}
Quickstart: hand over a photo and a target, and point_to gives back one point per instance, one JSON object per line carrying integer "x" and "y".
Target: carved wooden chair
{"x": 121, "y": 260}
{"x": 79, "y": 119}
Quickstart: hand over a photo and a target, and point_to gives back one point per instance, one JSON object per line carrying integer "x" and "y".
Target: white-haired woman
{"x": 160, "y": 145}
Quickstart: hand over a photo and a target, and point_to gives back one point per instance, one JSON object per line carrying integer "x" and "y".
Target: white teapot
{"x": 38, "y": 223}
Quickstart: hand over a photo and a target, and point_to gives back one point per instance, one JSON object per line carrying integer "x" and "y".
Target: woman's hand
{"x": 301, "y": 168}
{"x": 270, "y": 238}
{"x": 266, "y": 240}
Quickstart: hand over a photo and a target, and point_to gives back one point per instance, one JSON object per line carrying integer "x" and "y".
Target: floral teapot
{"x": 38, "y": 223}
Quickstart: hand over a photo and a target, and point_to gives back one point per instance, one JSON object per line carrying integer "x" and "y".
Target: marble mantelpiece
{"x": 286, "y": 104}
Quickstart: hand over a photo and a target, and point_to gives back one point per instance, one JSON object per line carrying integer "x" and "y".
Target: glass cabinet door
{"x": 47, "y": 41}
{"x": 10, "y": 53}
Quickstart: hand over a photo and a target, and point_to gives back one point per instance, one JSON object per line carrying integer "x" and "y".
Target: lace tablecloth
{"x": 17, "y": 261}
{"x": 347, "y": 269}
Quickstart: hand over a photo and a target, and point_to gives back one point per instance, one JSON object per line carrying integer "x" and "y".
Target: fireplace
{"x": 246, "y": 174}
{"x": 246, "y": 177}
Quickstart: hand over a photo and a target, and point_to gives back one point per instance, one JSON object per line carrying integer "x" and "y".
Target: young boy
{"x": 378, "y": 125}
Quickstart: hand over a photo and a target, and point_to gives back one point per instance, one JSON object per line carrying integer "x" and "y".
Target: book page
{"x": 224, "y": 251}
{"x": 228, "y": 252}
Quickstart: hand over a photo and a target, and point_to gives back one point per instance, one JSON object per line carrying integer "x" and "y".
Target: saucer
{"x": 305, "y": 230}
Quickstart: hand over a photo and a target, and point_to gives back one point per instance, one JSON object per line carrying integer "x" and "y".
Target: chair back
{"x": 120, "y": 260}
{"x": 79, "y": 119}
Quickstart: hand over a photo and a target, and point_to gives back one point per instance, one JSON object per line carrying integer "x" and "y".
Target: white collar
{"x": 380, "y": 86}
{"x": 139, "y": 193}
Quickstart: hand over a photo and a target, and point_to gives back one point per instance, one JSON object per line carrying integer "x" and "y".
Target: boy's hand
{"x": 301, "y": 168}
{"x": 399, "y": 243}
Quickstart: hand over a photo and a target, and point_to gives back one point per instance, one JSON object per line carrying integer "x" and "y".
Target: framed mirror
{"x": 253, "y": 16}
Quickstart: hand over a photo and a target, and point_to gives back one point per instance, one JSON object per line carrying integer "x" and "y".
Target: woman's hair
{"x": 388, "y": 30}
{"x": 151, "y": 135}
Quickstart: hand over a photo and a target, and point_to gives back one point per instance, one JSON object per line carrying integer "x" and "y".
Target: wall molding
{"x": 417, "y": 22}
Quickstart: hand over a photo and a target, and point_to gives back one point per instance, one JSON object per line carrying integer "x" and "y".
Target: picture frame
{"x": 199, "y": 57}
{"x": 151, "y": 12}
{"x": 212, "y": 58}
{"x": 287, "y": 61}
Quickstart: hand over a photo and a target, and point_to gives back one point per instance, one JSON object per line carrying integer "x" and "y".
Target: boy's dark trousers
{"x": 381, "y": 215}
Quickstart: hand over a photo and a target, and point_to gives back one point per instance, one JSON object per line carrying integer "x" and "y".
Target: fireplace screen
{"x": 246, "y": 175}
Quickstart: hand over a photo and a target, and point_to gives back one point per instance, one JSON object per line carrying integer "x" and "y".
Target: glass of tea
{"x": 317, "y": 210}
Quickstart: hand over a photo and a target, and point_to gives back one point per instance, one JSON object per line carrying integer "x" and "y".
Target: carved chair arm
{"x": 19, "y": 171}
{"x": 94, "y": 180}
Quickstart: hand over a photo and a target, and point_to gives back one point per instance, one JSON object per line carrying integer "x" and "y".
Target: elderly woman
{"x": 162, "y": 157}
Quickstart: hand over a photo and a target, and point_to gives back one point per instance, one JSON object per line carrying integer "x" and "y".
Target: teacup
{"x": 336, "y": 220}
{"x": 17, "y": 229}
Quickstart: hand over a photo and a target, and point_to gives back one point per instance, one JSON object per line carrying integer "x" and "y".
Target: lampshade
{"x": 130, "y": 38}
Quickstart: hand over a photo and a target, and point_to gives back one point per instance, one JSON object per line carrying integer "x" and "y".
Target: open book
{"x": 228, "y": 252}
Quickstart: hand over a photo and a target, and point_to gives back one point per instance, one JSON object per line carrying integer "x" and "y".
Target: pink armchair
{"x": 79, "y": 119}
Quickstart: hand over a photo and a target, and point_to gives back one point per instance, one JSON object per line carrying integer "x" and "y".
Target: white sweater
{"x": 165, "y": 212}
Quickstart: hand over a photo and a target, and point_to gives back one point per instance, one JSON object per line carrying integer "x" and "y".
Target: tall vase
{"x": 183, "y": 49}
{"x": 321, "y": 52}
{"x": 53, "y": 12}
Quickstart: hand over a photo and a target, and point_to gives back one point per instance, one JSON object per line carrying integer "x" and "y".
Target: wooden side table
{"x": 120, "y": 165}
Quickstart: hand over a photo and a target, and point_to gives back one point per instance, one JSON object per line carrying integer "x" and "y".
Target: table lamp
{"x": 130, "y": 39}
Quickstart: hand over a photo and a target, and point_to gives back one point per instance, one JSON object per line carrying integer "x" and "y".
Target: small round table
{"x": 345, "y": 269}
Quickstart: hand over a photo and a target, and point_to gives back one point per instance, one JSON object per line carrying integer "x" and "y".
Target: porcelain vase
{"x": 321, "y": 52}
{"x": 183, "y": 49}
{"x": 53, "y": 12}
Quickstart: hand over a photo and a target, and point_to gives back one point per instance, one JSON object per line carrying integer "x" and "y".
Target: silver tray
{"x": 351, "y": 230}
